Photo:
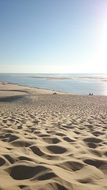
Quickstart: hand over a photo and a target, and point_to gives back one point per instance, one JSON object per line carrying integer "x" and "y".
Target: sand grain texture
{"x": 52, "y": 142}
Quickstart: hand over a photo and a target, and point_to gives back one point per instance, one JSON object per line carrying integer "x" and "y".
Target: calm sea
{"x": 75, "y": 83}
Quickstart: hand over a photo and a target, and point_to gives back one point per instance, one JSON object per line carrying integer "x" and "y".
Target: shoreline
{"x": 36, "y": 89}
{"x": 44, "y": 90}
{"x": 27, "y": 87}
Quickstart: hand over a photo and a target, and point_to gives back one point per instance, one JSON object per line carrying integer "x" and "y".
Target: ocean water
{"x": 82, "y": 84}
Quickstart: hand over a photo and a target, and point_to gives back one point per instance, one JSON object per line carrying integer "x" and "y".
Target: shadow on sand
{"x": 11, "y": 98}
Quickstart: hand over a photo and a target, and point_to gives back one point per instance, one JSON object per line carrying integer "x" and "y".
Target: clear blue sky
{"x": 53, "y": 35}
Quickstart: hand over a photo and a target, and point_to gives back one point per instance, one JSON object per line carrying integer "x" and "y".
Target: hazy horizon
{"x": 105, "y": 73}
{"x": 53, "y": 36}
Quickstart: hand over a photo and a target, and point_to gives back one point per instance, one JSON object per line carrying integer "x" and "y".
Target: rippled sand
{"x": 52, "y": 141}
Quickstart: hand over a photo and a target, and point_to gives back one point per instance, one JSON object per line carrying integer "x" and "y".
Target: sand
{"x": 52, "y": 78}
{"x": 52, "y": 141}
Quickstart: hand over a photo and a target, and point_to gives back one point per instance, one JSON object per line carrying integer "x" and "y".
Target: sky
{"x": 53, "y": 36}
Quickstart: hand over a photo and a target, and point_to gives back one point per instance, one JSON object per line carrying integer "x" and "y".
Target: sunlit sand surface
{"x": 52, "y": 141}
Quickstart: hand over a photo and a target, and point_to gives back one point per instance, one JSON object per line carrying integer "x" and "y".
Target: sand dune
{"x": 52, "y": 142}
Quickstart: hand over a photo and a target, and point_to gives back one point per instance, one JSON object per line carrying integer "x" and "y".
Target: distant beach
{"x": 52, "y": 78}
{"x": 81, "y": 84}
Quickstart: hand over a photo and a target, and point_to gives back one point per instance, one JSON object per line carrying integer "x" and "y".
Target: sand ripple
{"x": 53, "y": 143}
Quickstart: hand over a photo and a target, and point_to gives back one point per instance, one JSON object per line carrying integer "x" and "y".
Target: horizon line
{"x": 51, "y": 73}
